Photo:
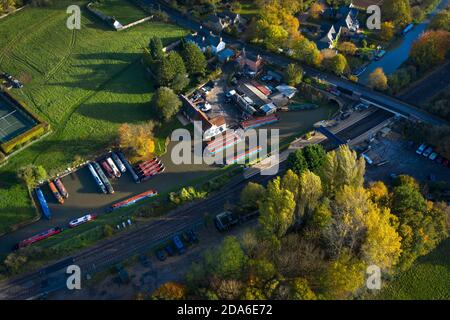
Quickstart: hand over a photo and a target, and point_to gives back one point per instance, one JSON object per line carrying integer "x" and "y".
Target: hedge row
{"x": 21, "y": 105}
{"x": 21, "y": 140}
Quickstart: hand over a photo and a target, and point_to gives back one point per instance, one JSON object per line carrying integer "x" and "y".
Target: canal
{"x": 399, "y": 52}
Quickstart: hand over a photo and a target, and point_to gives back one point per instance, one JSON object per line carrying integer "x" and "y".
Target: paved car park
{"x": 394, "y": 156}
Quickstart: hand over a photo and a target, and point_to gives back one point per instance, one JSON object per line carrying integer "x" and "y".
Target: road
{"x": 368, "y": 95}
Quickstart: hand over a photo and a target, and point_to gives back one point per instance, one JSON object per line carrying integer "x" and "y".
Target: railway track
{"x": 124, "y": 245}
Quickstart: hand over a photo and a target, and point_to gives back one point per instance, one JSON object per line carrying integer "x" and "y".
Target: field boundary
{"x": 115, "y": 24}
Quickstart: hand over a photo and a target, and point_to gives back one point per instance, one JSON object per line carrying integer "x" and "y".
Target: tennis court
{"x": 13, "y": 121}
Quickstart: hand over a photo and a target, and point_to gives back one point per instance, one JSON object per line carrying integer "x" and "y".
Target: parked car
{"x": 169, "y": 250}
{"x": 266, "y": 78}
{"x": 427, "y": 152}
{"x": 361, "y": 106}
{"x": 421, "y": 148}
{"x": 179, "y": 244}
{"x": 439, "y": 159}
{"x": 144, "y": 260}
{"x": 192, "y": 236}
{"x": 206, "y": 107}
{"x": 161, "y": 255}
{"x": 433, "y": 156}
{"x": 230, "y": 93}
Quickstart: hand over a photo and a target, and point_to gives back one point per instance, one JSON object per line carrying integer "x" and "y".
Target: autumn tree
{"x": 337, "y": 64}
{"x": 398, "y": 11}
{"x": 347, "y": 48}
{"x": 276, "y": 211}
{"x": 300, "y": 290}
{"x": 430, "y": 49}
{"x": 310, "y": 192}
{"x": 306, "y": 51}
{"x": 441, "y": 21}
{"x": 382, "y": 245}
{"x": 137, "y": 140}
{"x": 343, "y": 277}
{"x": 170, "y": 291}
{"x": 166, "y": 102}
{"x": 342, "y": 167}
{"x": 316, "y": 10}
{"x": 291, "y": 182}
{"x": 378, "y": 80}
{"x": 387, "y": 30}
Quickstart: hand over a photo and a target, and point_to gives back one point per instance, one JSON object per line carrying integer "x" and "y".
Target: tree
{"x": 343, "y": 277}
{"x": 180, "y": 82}
{"x": 14, "y": 262}
{"x": 321, "y": 217}
{"x": 276, "y": 37}
{"x": 137, "y": 140}
{"x": 297, "y": 162}
{"x": 387, "y": 30}
{"x": 347, "y": 48}
{"x": 300, "y": 290}
{"x": 417, "y": 14}
{"x": 166, "y": 103}
{"x": 156, "y": 48}
{"x": 293, "y": 74}
{"x": 378, "y": 80}
{"x": 315, "y": 10}
{"x": 340, "y": 168}
{"x": 430, "y": 49}
{"x": 337, "y": 64}
{"x": 229, "y": 260}
{"x": 276, "y": 211}
{"x": 310, "y": 191}
{"x": 32, "y": 174}
{"x": 306, "y": 51}
{"x": 194, "y": 59}
{"x": 382, "y": 245}
{"x": 398, "y": 11}
{"x": 441, "y": 21}
{"x": 291, "y": 182}
{"x": 315, "y": 156}
{"x": 379, "y": 193}
{"x": 251, "y": 195}
{"x": 170, "y": 291}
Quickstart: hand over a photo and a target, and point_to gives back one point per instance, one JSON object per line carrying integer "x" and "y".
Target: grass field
{"x": 122, "y": 10}
{"x": 85, "y": 83}
{"x": 429, "y": 278}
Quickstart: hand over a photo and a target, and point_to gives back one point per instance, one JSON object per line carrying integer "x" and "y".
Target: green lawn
{"x": 429, "y": 278}
{"x": 85, "y": 83}
{"x": 248, "y": 9}
{"x": 122, "y": 10}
